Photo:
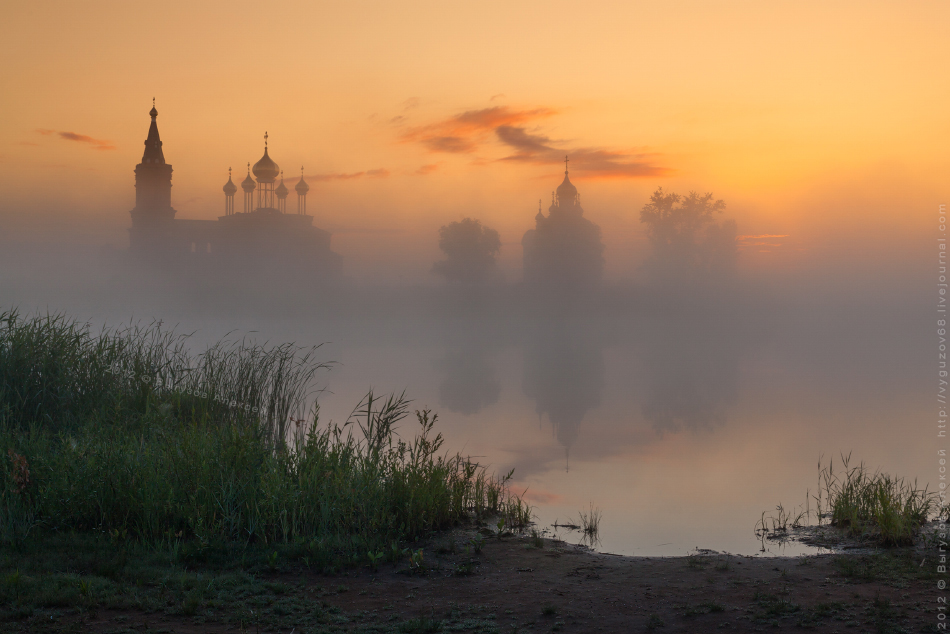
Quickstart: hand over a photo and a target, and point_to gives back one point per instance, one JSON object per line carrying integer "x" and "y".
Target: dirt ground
{"x": 512, "y": 585}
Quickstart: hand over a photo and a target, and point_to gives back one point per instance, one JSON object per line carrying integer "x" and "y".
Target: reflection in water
{"x": 469, "y": 383}
{"x": 692, "y": 375}
{"x": 564, "y": 374}
{"x": 673, "y": 347}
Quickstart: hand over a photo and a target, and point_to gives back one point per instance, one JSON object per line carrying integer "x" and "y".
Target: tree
{"x": 686, "y": 239}
{"x": 470, "y": 250}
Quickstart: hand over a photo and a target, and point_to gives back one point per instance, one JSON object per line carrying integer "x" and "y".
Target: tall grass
{"x": 873, "y": 504}
{"x": 125, "y": 432}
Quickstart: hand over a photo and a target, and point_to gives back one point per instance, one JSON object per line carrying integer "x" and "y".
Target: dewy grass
{"x": 873, "y": 504}
{"x": 125, "y": 433}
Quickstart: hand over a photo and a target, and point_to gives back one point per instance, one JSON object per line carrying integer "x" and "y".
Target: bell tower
{"x": 153, "y": 213}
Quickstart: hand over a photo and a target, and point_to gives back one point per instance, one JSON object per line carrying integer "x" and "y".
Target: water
{"x": 681, "y": 416}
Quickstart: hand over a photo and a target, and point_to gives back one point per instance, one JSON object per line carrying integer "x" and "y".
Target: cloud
{"x": 474, "y": 130}
{"x": 97, "y": 144}
{"x": 590, "y": 162}
{"x": 462, "y": 133}
{"x": 339, "y": 176}
{"x": 427, "y": 169}
{"x": 500, "y": 95}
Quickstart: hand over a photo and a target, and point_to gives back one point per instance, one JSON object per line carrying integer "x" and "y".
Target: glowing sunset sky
{"x": 812, "y": 120}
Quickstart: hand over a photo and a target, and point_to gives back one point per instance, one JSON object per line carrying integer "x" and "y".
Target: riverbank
{"x": 466, "y": 581}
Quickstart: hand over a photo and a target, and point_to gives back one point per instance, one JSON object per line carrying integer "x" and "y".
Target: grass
{"x": 536, "y": 540}
{"x": 69, "y": 579}
{"x": 868, "y": 505}
{"x": 895, "y": 568}
{"x": 590, "y": 523}
{"x": 697, "y": 561}
{"x": 873, "y": 505}
{"x": 777, "y": 525}
{"x": 126, "y": 434}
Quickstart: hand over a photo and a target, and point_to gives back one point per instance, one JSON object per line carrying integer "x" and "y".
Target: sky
{"x": 822, "y": 125}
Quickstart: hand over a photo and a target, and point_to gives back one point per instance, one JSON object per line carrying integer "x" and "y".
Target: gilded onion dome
{"x": 266, "y": 170}
{"x": 281, "y": 191}
{"x": 302, "y": 187}
{"x": 248, "y": 183}
{"x": 229, "y": 187}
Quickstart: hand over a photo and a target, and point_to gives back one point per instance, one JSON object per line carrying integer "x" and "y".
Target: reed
{"x": 873, "y": 505}
{"x": 125, "y": 432}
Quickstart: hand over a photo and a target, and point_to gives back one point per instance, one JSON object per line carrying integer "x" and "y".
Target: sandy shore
{"x": 514, "y": 586}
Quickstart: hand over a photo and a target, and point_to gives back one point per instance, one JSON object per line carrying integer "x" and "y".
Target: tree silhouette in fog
{"x": 687, "y": 240}
{"x": 470, "y": 250}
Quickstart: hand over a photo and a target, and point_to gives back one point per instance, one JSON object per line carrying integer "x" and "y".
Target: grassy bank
{"x": 870, "y": 506}
{"x": 125, "y": 435}
{"x": 873, "y": 505}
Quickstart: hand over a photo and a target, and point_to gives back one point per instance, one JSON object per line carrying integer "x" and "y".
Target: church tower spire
{"x": 153, "y": 213}
{"x": 153, "y": 144}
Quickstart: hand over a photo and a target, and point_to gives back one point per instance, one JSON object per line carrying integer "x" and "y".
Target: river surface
{"x": 681, "y": 414}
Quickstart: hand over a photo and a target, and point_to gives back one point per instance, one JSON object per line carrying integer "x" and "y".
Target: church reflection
{"x": 685, "y": 330}
{"x": 692, "y": 370}
{"x": 564, "y": 373}
{"x": 469, "y": 382}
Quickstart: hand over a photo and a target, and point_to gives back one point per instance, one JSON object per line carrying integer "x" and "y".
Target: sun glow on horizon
{"x": 407, "y": 119}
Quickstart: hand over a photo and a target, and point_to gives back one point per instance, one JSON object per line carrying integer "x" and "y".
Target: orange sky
{"x": 814, "y": 121}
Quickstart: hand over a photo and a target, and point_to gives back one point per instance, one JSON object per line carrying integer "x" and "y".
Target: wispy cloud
{"x": 96, "y": 144}
{"x": 588, "y": 161}
{"x": 518, "y": 132}
{"x": 341, "y": 176}
{"x": 464, "y": 132}
{"x": 427, "y": 169}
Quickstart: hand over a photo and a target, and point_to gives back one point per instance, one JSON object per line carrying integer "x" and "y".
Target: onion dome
{"x": 302, "y": 187}
{"x": 266, "y": 170}
{"x": 540, "y": 215}
{"x": 281, "y": 191}
{"x": 248, "y": 184}
{"x": 153, "y": 112}
{"x": 566, "y": 192}
{"x": 229, "y": 187}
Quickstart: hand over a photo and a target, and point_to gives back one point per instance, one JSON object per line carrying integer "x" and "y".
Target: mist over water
{"x": 682, "y": 406}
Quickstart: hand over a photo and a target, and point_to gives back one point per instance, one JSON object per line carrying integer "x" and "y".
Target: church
{"x": 564, "y": 251}
{"x": 263, "y": 234}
